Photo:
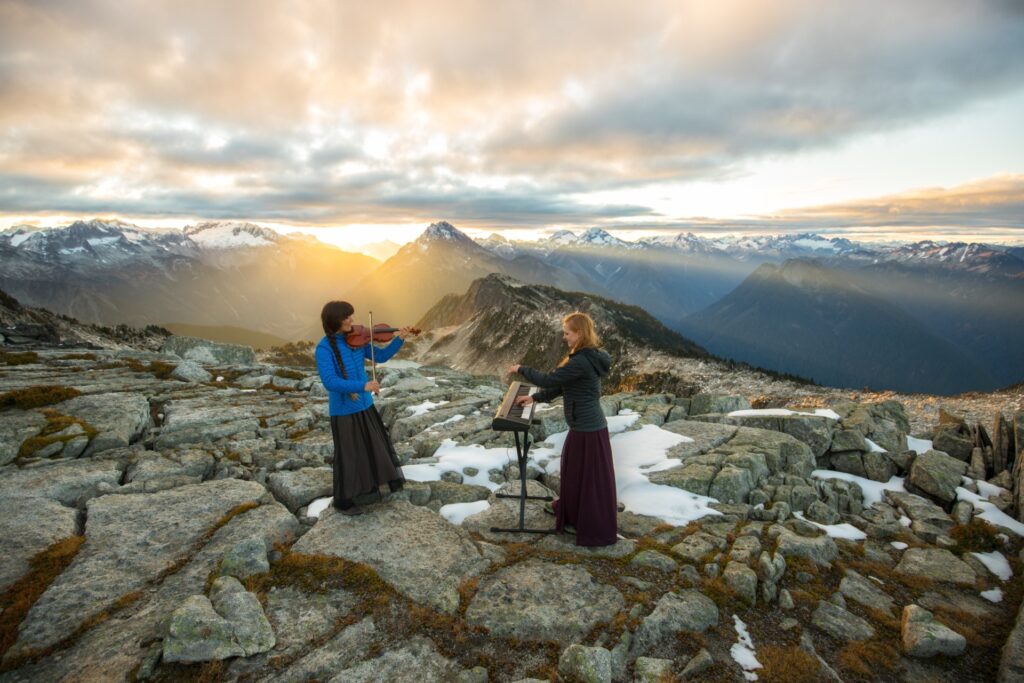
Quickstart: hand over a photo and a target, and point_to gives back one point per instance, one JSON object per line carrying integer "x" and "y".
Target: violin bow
{"x": 373, "y": 359}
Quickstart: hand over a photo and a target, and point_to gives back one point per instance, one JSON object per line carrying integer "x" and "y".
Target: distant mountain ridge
{"x": 218, "y": 274}
{"x": 825, "y": 324}
{"x": 499, "y": 320}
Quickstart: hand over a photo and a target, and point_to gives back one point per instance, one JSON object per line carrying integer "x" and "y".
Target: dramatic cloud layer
{"x": 485, "y": 113}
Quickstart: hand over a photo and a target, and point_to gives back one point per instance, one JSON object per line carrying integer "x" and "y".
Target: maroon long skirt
{"x": 587, "y": 498}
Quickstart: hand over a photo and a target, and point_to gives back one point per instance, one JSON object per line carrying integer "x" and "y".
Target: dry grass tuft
{"x": 870, "y": 658}
{"x": 44, "y": 567}
{"x": 976, "y": 536}
{"x": 18, "y": 357}
{"x": 36, "y": 397}
{"x": 787, "y": 664}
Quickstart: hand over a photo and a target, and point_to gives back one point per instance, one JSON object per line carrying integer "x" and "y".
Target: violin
{"x": 360, "y": 335}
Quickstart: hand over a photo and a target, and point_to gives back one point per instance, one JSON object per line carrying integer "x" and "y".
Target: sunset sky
{"x": 368, "y": 120}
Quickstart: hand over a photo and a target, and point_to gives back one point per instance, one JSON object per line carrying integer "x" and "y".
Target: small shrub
{"x": 977, "y": 536}
{"x": 79, "y": 356}
{"x": 35, "y": 397}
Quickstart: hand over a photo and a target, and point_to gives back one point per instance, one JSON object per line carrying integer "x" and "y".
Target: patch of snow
{"x": 402, "y": 364}
{"x": 783, "y": 412}
{"x": 450, "y": 420}
{"x": 318, "y": 506}
{"x": 844, "y": 530}
{"x": 919, "y": 446}
{"x": 19, "y": 238}
{"x": 989, "y": 512}
{"x": 635, "y": 455}
{"x": 996, "y": 563}
{"x": 456, "y": 513}
{"x": 422, "y": 408}
{"x": 993, "y": 595}
{"x": 622, "y": 421}
{"x": 875, "y": 448}
{"x": 905, "y": 521}
{"x": 873, "y": 490}
{"x": 742, "y": 650}
{"x": 988, "y": 490}
{"x": 899, "y": 545}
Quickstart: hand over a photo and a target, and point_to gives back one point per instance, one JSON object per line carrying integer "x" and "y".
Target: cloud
{"x": 334, "y": 112}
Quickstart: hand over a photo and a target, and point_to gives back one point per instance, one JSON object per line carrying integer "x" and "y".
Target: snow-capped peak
{"x": 225, "y": 235}
{"x": 444, "y": 231}
{"x": 599, "y": 237}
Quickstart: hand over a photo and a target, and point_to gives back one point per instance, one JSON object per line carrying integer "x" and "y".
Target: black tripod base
{"x": 521, "y": 453}
{"x": 515, "y": 495}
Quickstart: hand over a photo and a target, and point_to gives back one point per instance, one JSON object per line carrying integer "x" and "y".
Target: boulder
{"x": 865, "y": 592}
{"x": 936, "y": 564}
{"x": 536, "y": 600}
{"x": 677, "y": 612}
{"x": 196, "y": 633}
{"x": 16, "y": 426}
{"x": 299, "y": 488}
{"x": 953, "y": 440}
{"x": 119, "y": 418}
{"x": 190, "y": 371}
{"x": 654, "y": 560}
{"x": 937, "y": 474}
{"x": 741, "y": 579}
{"x": 423, "y": 556}
{"x": 242, "y": 610}
{"x": 841, "y": 624}
{"x": 582, "y": 664}
{"x": 820, "y": 549}
{"x": 246, "y": 558}
{"x": 924, "y": 637}
{"x": 69, "y": 482}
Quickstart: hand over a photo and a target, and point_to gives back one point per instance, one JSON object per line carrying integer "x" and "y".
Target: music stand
{"x": 521, "y": 453}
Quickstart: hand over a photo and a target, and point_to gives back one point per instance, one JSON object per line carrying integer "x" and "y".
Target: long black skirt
{"x": 587, "y": 497}
{"x": 364, "y": 458}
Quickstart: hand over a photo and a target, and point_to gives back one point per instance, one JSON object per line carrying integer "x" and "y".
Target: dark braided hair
{"x": 332, "y": 315}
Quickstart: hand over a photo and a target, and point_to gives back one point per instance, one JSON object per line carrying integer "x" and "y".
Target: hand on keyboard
{"x": 524, "y": 400}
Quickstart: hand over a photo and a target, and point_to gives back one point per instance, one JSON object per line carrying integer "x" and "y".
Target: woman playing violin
{"x": 364, "y": 457}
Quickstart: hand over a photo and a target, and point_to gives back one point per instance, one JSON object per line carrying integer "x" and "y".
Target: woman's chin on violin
{"x": 364, "y": 457}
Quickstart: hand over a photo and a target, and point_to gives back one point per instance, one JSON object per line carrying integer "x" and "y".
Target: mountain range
{"x": 498, "y": 321}
{"x": 959, "y": 306}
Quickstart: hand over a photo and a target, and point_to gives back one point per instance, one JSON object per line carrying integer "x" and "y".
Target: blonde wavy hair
{"x": 583, "y": 325}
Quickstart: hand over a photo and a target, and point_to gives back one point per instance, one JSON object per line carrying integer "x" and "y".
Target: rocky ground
{"x": 156, "y": 526}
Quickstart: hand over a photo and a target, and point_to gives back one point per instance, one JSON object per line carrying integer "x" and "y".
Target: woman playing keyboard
{"x": 587, "y": 499}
